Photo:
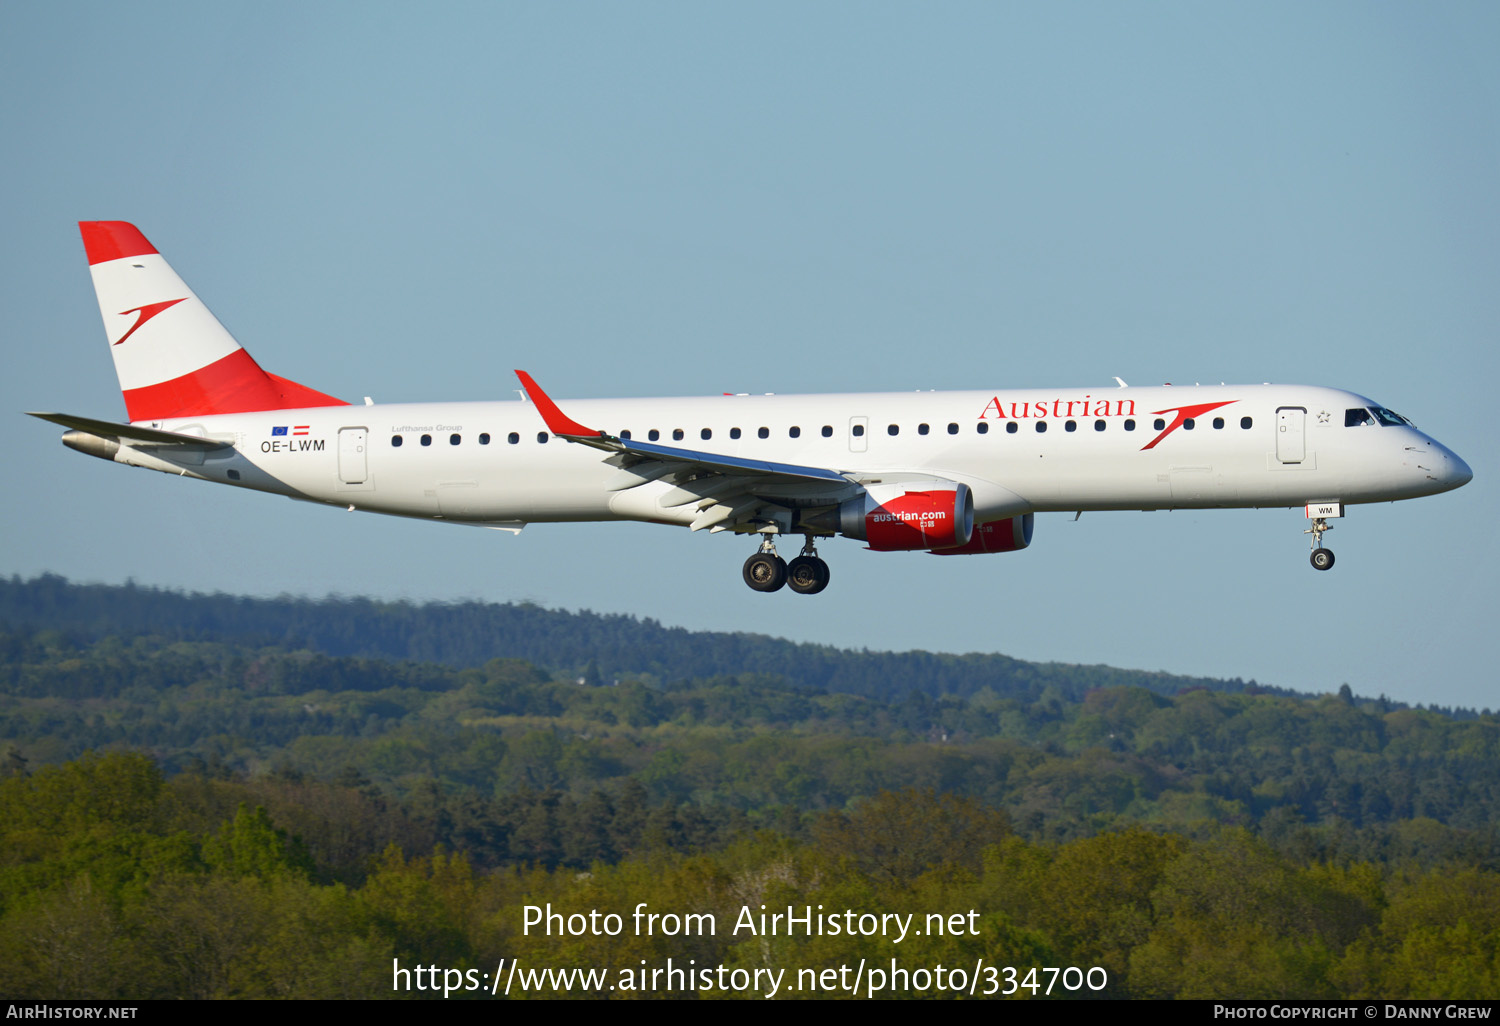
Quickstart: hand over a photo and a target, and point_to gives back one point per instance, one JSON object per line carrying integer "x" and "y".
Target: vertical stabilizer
{"x": 173, "y": 357}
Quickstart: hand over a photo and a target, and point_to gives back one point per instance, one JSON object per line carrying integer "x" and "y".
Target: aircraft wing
{"x": 731, "y": 491}
{"x": 130, "y": 433}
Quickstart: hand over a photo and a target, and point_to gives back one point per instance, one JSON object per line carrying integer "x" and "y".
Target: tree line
{"x": 219, "y": 797}
{"x": 580, "y": 644}
{"x": 117, "y": 882}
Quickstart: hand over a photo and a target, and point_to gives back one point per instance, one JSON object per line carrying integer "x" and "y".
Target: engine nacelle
{"x": 897, "y": 519}
{"x": 1006, "y": 535}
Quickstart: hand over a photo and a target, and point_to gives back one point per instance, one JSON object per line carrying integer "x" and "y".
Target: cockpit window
{"x": 1388, "y": 418}
{"x": 1358, "y": 417}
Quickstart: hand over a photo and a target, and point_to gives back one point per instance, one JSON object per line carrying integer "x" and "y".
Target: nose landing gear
{"x": 1320, "y": 513}
{"x": 1322, "y": 559}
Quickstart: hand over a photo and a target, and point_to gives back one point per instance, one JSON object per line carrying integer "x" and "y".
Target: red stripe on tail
{"x": 235, "y": 384}
{"x": 111, "y": 240}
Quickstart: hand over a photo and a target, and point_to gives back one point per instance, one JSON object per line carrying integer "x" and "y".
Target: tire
{"x": 765, "y": 572}
{"x": 807, "y": 575}
{"x": 1322, "y": 559}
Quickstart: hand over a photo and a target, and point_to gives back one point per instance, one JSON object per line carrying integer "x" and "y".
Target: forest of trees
{"x": 219, "y": 807}
{"x": 463, "y": 634}
{"x": 121, "y": 883}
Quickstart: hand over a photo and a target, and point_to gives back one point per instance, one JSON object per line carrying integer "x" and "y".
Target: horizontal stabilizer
{"x": 131, "y": 433}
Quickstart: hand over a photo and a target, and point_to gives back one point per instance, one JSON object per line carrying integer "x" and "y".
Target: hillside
{"x": 207, "y": 796}
{"x": 591, "y": 645}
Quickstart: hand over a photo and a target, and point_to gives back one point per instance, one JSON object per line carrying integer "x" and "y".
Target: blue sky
{"x": 676, "y": 199}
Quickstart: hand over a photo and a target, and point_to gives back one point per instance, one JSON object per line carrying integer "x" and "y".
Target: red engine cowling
{"x": 934, "y": 518}
{"x": 996, "y": 536}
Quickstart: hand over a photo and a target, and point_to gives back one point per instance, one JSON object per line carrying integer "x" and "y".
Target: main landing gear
{"x": 1322, "y": 559}
{"x": 766, "y": 571}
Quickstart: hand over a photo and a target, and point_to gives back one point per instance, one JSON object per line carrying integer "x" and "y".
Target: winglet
{"x": 558, "y": 422}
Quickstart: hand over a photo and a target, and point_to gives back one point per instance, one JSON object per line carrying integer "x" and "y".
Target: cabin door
{"x": 1291, "y": 444}
{"x": 352, "y": 468}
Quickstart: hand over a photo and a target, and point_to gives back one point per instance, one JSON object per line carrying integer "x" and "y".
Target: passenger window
{"x": 794, "y": 432}
{"x": 541, "y": 437}
{"x": 1218, "y": 423}
{"x": 858, "y": 431}
{"x": 426, "y": 439}
{"x": 953, "y": 429}
{"x": 1189, "y": 424}
{"x": 677, "y": 434}
{"x": 653, "y": 434}
{"x": 625, "y": 435}
{"x": 734, "y": 432}
{"x": 1098, "y": 425}
{"x": 454, "y": 439}
{"x": 1041, "y": 427}
{"x": 1130, "y": 425}
{"x": 983, "y": 427}
{"x": 1245, "y": 423}
{"x": 513, "y": 438}
{"x": 827, "y": 430}
{"x": 484, "y": 438}
{"x": 396, "y": 441}
{"x": 1357, "y": 417}
{"x": 1012, "y": 427}
{"x": 706, "y": 434}
{"x": 763, "y": 433}
{"x": 1159, "y": 425}
{"x": 1071, "y": 425}
{"x": 922, "y": 429}
{"x": 893, "y": 429}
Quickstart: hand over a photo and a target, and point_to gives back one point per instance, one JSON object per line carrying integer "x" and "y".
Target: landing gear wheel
{"x": 765, "y": 571}
{"x": 1322, "y": 559}
{"x": 807, "y": 575}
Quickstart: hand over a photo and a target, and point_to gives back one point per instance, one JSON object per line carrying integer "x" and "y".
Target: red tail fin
{"x": 172, "y": 356}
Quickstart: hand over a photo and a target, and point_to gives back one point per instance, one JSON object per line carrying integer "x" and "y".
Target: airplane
{"x": 952, "y": 473}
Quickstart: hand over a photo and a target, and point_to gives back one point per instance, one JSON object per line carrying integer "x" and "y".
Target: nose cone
{"x": 1449, "y": 471}
{"x": 1430, "y": 467}
{"x": 1458, "y": 471}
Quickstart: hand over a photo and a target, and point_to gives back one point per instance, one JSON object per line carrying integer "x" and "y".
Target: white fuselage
{"x": 1018, "y": 451}
{"x": 953, "y": 473}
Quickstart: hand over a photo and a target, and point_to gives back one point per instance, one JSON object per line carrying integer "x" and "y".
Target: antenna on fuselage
{"x": 1121, "y": 381}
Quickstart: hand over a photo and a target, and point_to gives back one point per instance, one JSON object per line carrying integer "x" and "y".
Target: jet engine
{"x": 1006, "y": 535}
{"x": 897, "y": 518}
